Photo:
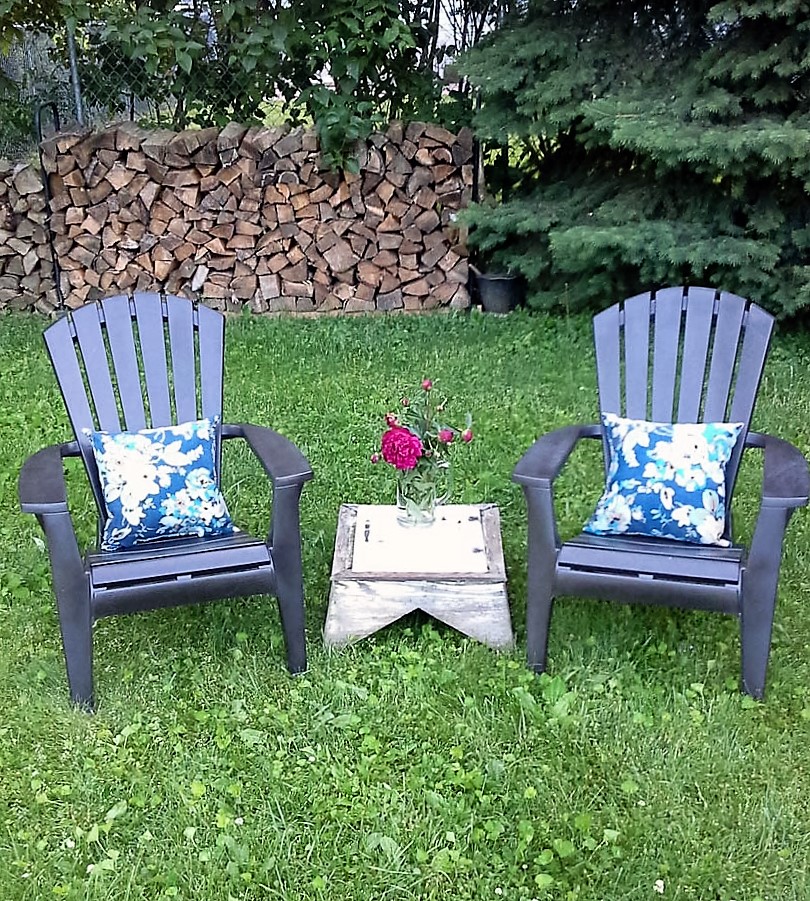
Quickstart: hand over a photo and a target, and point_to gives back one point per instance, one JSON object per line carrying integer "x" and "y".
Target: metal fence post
{"x": 46, "y": 186}
{"x": 74, "y": 72}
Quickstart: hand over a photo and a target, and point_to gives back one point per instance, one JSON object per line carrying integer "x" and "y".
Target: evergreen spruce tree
{"x": 650, "y": 143}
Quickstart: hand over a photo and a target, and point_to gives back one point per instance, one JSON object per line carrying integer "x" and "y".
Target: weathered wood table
{"x": 453, "y": 570}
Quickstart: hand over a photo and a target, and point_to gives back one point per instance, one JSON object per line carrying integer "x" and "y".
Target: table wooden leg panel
{"x": 358, "y": 609}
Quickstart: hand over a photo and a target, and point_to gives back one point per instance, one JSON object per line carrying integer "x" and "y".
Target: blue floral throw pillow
{"x": 160, "y": 483}
{"x": 665, "y": 481}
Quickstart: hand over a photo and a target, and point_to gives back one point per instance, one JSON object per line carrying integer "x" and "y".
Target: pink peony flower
{"x": 415, "y": 438}
{"x": 401, "y": 448}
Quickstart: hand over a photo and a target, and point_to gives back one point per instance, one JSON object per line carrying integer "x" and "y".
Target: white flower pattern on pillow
{"x": 665, "y": 480}
{"x": 160, "y": 483}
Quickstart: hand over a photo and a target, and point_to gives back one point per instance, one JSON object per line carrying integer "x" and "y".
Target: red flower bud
{"x": 427, "y": 384}
{"x": 445, "y": 436}
{"x": 406, "y": 402}
{"x": 467, "y": 436}
{"x": 375, "y": 458}
{"x": 391, "y": 421}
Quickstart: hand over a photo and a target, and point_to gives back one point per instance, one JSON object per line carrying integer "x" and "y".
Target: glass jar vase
{"x": 421, "y": 490}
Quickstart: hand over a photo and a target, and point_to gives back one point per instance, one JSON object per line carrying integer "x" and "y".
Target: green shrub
{"x": 666, "y": 145}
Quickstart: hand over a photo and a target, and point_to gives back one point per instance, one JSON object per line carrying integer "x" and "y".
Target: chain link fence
{"x": 34, "y": 70}
{"x": 181, "y": 68}
{"x": 170, "y": 89}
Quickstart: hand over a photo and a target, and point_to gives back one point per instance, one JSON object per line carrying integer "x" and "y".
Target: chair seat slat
{"x": 185, "y": 556}
{"x": 654, "y": 557}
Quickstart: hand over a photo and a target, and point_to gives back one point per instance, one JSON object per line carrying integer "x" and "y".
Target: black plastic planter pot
{"x": 498, "y": 292}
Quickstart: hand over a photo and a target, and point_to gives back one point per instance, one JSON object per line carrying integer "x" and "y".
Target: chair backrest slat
{"x": 666, "y": 348}
{"x": 752, "y": 354}
{"x": 93, "y": 351}
{"x": 709, "y": 351}
{"x": 184, "y": 367}
{"x": 727, "y": 330}
{"x": 636, "y": 354}
{"x": 63, "y": 350}
{"x": 697, "y": 331}
{"x": 151, "y": 331}
{"x": 59, "y": 341}
{"x": 118, "y": 322}
{"x": 607, "y": 332}
{"x": 210, "y": 340}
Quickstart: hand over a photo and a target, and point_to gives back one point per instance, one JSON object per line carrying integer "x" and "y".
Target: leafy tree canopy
{"x": 16, "y": 13}
{"x": 650, "y": 143}
{"x": 347, "y": 65}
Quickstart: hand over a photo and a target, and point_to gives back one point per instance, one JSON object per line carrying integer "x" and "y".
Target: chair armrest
{"x": 785, "y": 477}
{"x": 280, "y": 458}
{"x": 544, "y": 460}
{"x": 41, "y": 485}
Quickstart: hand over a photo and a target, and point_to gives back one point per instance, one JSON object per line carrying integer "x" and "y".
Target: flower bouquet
{"x": 416, "y": 443}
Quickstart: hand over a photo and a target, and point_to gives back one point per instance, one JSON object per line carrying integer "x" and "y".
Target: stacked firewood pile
{"x": 241, "y": 215}
{"x": 26, "y": 268}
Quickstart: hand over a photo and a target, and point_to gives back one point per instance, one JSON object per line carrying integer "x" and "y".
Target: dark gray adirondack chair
{"x": 174, "y": 349}
{"x": 705, "y": 351}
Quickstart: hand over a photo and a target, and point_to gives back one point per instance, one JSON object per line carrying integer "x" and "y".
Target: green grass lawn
{"x": 417, "y": 764}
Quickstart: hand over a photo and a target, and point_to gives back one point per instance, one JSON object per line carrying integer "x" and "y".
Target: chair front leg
{"x": 72, "y": 589}
{"x": 760, "y": 581}
{"x": 542, "y": 560}
{"x": 285, "y": 541}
